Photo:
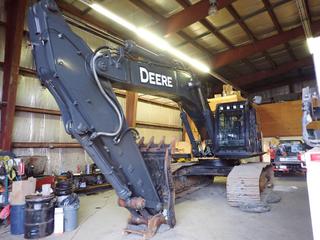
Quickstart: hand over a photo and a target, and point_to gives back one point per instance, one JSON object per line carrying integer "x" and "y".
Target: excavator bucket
{"x": 158, "y": 161}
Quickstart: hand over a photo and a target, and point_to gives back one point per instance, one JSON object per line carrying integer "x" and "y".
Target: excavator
{"x": 82, "y": 81}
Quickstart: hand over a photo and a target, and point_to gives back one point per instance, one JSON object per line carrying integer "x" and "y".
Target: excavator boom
{"x": 94, "y": 117}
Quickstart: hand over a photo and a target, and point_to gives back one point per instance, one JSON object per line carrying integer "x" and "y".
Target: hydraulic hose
{"x": 107, "y": 97}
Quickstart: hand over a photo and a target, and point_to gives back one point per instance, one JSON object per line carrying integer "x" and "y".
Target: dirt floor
{"x": 203, "y": 214}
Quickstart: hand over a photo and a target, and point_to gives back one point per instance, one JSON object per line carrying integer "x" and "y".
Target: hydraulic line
{"x": 134, "y": 131}
{"x": 107, "y": 97}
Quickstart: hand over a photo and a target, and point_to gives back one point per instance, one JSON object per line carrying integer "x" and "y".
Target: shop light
{"x": 314, "y": 48}
{"x": 149, "y": 37}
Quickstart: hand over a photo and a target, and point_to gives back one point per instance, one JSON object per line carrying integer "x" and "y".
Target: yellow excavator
{"x": 246, "y": 181}
{"x": 81, "y": 82}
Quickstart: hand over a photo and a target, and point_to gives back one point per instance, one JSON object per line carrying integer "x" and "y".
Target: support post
{"x": 131, "y": 108}
{"x": 14, "y": 35}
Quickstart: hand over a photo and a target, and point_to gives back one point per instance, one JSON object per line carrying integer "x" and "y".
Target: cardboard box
{"x": 20, "y": 189}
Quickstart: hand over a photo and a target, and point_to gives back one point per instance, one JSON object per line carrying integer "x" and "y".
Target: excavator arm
{"x": 134, "y": 68}
{"x": 81, "y": 82}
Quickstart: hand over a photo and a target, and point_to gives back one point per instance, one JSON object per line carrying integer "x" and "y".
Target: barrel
{"x": 17, "y": 219}
{"x": 39, "y": 216}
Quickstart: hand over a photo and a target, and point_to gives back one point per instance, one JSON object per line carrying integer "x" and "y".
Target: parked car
{"x": 288, "y": 156}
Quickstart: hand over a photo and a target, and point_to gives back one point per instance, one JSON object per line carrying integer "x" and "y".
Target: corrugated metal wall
{"x": 159, "y": 115}
{"x": 38, "y": 127}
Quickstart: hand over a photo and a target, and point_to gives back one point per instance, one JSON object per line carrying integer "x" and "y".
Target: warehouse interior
{"x": 225, "y": 86}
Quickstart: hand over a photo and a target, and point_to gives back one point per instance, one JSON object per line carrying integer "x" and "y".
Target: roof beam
{"x": 223, "y": 39}
{"x": 276, "y": 23}
{"x": 244, "y": 18}
{"x": 14, "y": 34}
{"x": 213, "y": 30}
{"x": 238, "y": 53}
{"x": 140, "y": 4}
{"x": 249, "y": 33}
{"x": 258, "y": 76}
{"x": 272, "y": 15}
{"x": 186, "y": 4}
{"x": 238, "y": 19}
{"x": 219, "y": 35}
{"x": 194, "y": 43}
{"x": 182, "y": 34}
{"x": 189, "y": 16}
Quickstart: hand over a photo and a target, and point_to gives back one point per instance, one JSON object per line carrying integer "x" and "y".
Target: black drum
{"x": 39, "y": 216}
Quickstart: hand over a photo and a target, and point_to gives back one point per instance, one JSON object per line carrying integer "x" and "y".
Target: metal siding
{"x": 265, "y": 25}
{"x": 195, "y": 29}
{"x": 246, "y": 7}
{"x": 26, "y": 59}
{"x": 211, "y": 42}
{"x": 157, "y": 114}
{"x": 30, "y": 93}
{"x": 220, "y": 18}
{"x": 236, "y": 35}
{"x": 37, "y": 127}
{"x": 158, "y": 134}
{"x": 288, "y": 15}
{"x": 59, "y": 160}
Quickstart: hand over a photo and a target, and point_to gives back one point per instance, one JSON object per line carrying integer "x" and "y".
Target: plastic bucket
{"x": 70, "y": 217}
{"x": 17, "y": 219}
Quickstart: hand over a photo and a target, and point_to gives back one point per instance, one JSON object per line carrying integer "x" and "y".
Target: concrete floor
{"x": 203, "y": 214}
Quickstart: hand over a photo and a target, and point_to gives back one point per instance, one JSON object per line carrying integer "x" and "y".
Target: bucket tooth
{"x": 162, "y": 142}
{"x": 150, "y": 143}
{"x": 141, "y": 142}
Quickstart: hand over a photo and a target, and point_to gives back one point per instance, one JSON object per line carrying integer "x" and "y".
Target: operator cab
{"x": 237, "y": 131}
